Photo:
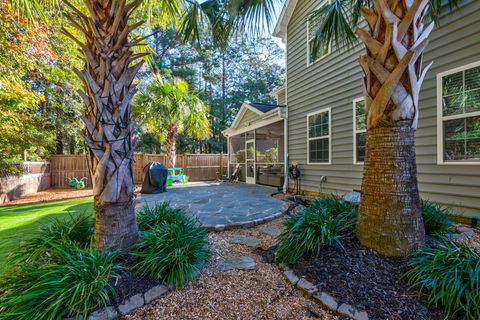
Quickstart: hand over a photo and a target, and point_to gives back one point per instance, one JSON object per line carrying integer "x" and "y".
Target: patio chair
{"x": 236, "y": 173}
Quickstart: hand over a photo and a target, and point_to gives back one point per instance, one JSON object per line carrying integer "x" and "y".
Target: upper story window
{"x": 459, "y": 115}
{"x": 359, "y": 131}
{"x": 313, "y": 23}
{"x": 319, "y": 137}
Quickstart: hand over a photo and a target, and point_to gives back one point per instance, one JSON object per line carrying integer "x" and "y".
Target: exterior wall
{"x": 248, "y": 118}
{"x": 12, "y": 188}
{"x": 335, "y": 81}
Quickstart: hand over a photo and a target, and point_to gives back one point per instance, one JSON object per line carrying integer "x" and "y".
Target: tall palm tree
{"x": 389, "y": 218}
{"x": 167, "y": 107}
{"x": 103, "y": 33}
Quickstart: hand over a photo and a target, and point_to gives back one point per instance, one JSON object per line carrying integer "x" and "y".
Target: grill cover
{"x": 154, "y": 178}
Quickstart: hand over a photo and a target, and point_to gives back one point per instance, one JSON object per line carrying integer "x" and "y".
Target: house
{"x": 325, "y": 129}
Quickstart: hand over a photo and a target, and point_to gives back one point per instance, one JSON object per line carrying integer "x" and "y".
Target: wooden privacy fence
{"x": 198, "y": 167}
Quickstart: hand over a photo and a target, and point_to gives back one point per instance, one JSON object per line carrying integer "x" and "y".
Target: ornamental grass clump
{"x": 73, "y": 286}
{"x": 149, "y": 217}
{"x": 450, "y": 274}
{"x": 436, "y": 218}
{"x": 326, "y": 222}
{"x": 171, "y": 252}
{"x": 172, "y": 248}
{"x": 58, "y": 232}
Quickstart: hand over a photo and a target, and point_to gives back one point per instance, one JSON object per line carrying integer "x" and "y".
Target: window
{"x": 359, "y": 131}
{"x": 319, "y": 136}
{"x": 459, "y": 115}
{"x": 313, "y": 23}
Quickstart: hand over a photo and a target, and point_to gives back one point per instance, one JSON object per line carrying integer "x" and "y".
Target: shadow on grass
{"x": 22, "y": 222}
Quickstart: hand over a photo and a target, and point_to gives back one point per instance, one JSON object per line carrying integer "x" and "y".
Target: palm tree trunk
{"x": 390, "y": 219}
{"x": 171, "y": 145}
{"x": 107, "y": 78}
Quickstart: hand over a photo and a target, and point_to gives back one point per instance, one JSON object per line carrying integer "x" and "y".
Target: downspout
{"x": 285, "y": 130}
{"x": 285, "y": 120}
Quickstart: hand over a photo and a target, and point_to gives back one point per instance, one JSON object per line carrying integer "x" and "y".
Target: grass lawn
{"x": 20, "y": 222}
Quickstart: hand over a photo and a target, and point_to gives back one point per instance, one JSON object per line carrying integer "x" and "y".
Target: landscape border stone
{"x": 130, "y": 304}
{"x": 322, "y": 297}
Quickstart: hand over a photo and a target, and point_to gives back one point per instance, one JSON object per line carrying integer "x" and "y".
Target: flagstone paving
{"x": 222, "y": 205}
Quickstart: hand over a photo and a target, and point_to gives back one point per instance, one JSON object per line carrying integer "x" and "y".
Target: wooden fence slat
{"x": 198, "y": 167}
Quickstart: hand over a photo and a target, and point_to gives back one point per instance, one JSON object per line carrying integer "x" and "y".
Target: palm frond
{"x": 253, "y": 17}
{"x": 339, "y": 19}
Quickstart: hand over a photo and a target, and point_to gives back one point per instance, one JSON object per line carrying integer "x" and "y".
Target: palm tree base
{"x": 389, "y": 218}
{"x": 115, "y": 225}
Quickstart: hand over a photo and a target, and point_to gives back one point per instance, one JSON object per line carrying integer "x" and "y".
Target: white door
{"x": 250, "y": 161}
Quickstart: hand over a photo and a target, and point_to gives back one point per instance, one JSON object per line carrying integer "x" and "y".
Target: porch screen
{"x": 237, "y": 154}
{"x": 269, "y": 145}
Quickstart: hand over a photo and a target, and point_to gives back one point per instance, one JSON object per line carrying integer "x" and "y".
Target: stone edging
{"x": 129, "y": 305}
{"x": 248, "y": 224}
{"x": 322, "y": 297}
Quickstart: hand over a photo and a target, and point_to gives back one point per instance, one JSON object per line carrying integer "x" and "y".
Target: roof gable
{"x": 280, "y": 30}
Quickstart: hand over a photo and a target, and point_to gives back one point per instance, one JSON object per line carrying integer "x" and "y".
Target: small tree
{"x": 167, "y": 107}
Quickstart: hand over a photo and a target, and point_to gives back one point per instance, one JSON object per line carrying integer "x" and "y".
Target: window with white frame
{"x": 359, "y": 130}
{"x": 459, "y": 115}
{"x": 313, "y": 23}
{"x": 319, "y": 137}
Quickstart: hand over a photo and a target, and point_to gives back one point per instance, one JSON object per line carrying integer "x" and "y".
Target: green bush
{"x": 152, "y": 217}
{"x": 436, "y": 217}
{"x": 76, "y": 284}
{"x": 42, "y": 248}
{"x": 450, "y": 273}
{"x": 172, "y": 251}
{"x": 325, "y": 222}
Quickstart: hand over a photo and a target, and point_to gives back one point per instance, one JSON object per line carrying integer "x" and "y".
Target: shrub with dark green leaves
{"x": 325, "y": 222}
{"x": 42, "y": 248}
{"x": 450, "y": 274}
{"x": 436, "y": 218}
{"x": 172, "y": 252}
{"x": 74, "y": 285}
{"x": 149, "y": 217}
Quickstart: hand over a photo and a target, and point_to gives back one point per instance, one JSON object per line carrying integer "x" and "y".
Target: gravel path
{"x": 239, "y": 294}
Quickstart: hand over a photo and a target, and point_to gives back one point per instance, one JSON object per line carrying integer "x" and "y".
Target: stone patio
{"x": 220, "y": 206}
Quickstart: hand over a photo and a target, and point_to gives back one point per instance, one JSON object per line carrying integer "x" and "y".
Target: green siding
{"x": 248, "y": 118}
{"x": 335, "y": 81}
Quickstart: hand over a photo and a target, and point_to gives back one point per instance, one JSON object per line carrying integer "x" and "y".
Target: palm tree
{"x": 389, "y": 218}
{"x": 107, "y": 45}
{"x": 167, "y": 107}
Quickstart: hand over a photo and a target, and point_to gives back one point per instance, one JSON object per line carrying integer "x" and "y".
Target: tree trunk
{"x": 170, "y": 145}
{"x": 390, "y": 202}
{"x": 107, "y": 77}
{"x": 390, "y": 219}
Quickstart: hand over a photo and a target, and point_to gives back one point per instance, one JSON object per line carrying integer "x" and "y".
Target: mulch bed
{"x": 130, "y": 283}
{"x": 366, "y": 280}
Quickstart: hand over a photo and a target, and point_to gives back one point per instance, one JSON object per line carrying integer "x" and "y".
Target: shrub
{"x": 325, "y": 222}
{"x": 73, "y": 286}
{"x": 152, "y": 217}
{"x": 172, "y": 251}
{"x": 436, "y": 217}
{"x": 42, "y": 248}
{"x": 450, "y": 273}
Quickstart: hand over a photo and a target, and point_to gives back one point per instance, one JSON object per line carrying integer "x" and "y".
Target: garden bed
{"x": 366, "y": 280}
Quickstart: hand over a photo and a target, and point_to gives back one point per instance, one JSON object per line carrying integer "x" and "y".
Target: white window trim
{"x": 329, "y": 110}
{"x": 355, "y": 131}
{"x": 309, "y": 63}
{"x": 441, "y": 118}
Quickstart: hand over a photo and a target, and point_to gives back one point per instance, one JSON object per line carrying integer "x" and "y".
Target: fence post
{"x": 221, "y": 166}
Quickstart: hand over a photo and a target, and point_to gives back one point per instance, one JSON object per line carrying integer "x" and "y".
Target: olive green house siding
{"x": 334, "y": 82}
